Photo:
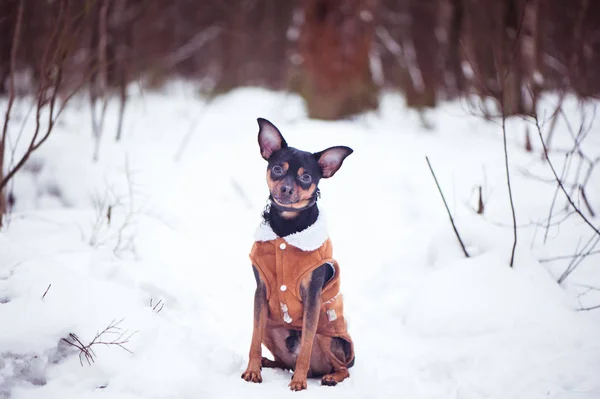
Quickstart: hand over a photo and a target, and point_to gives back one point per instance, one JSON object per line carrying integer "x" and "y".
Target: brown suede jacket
{"x": 282, "y": 264}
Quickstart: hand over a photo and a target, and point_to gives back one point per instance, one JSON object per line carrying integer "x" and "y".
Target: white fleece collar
{"x": 308, "y": 239}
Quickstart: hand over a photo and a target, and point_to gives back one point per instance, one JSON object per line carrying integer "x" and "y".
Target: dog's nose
{"x": 289, "y": 190}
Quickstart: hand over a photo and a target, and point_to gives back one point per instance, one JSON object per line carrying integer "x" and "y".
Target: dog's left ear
{"x": 269, "y": 138}
{"x": 331, "y": 159}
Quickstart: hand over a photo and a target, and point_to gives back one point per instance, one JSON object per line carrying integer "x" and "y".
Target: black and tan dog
{"x": 298, "y": 307}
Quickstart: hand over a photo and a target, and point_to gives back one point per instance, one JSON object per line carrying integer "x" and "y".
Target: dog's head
{"x": 293, "y": 175}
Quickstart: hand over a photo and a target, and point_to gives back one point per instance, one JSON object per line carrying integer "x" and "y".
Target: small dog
{"x": 298, "y": 308}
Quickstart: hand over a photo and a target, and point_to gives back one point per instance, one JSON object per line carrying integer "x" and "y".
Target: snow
{"x": 427, "y": 322}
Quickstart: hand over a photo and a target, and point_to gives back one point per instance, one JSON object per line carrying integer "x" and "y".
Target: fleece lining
{"x": 308, "y": 239}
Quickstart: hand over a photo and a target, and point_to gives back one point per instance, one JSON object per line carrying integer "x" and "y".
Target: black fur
{"x": 293, "y": 341}
{"x": 284, "y": 227}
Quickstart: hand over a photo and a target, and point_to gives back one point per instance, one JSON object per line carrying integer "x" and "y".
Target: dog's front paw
{"x": 297, "y": 384}
{"x": 252, "y": 376}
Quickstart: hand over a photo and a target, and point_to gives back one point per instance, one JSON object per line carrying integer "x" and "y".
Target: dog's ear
{"x": 269, "y": 138}
{"x": 331, "y": 159}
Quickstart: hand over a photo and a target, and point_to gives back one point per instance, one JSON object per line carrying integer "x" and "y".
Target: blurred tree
{"x": 7, "y": 15}
{"x": 509, "y": 57}
{"x": 423, "y": 50}
{"x": 453, "y": 53}
{"x": 335, "y": 42}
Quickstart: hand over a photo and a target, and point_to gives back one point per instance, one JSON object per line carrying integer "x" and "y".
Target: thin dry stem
{"x": 462, "y": 245}
{"x": 86, "y": 352}
{"x": 11, "y": 99}
{"x": 558, "y": 180}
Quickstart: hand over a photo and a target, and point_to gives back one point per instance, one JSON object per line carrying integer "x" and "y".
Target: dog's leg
{"x": 261, "y": 308}
{"x": 335, "y": 377}
{"x": 274, "y": 364}
{"x": 333, "y": 349}
{"x": 310, "y": 291}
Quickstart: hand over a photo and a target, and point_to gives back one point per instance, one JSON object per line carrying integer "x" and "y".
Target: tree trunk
{"x": 454, "y": 51}
{"x": 234, "y": 49}
{"x": 421, "y": 49}
{"x": 7, "y": 10}
{"x": 511, "y": 69}
{"x": 122, "y": 61}
{"x": 533, "y": 60}
{"x": 335, "y": 42}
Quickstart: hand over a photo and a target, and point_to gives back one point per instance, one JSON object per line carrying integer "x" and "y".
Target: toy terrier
{"x": 298, "y": 306}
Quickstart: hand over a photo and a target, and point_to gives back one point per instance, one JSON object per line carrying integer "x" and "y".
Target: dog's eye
{"x": 306, "y": 178}
{"x": 277, "y": 170}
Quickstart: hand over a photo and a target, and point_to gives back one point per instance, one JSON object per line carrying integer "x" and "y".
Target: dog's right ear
{"x": 269, "y": 138}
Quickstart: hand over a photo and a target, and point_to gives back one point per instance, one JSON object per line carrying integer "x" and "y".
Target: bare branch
{"x": 558, "y": 180}
{"x": 554, "y": 197}
{"x": 52, "y": 66}
{"x": 561, "y": 257}
{"x": 86, "y": 352}
{"x": 11, "y": 99}
{"x": 447, "y": 209}
{"x": 587, "y": 249}
{"x": 585, "y": 201}
{"x": 510, "y": 196}
{"x": 47, "y": 289}
{"x": 588, "y": 308}
{"x": 156, "y": 307}
{"x": 191, "y": 47}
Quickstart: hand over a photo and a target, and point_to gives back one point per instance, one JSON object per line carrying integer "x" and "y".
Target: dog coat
{"x": 283, "y": 262}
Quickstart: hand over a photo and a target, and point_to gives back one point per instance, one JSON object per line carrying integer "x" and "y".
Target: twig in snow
{"x": 554, "y": 197}
{"x": 156, "y": 307}
{"x": 589, "y": 308}
{"x": 585, "y": 201}
{"x": 554, "y": 117}
{"x": 561, "y": 257}
{"x": 447, "y": 209}
{"x": 528, "y": 146}
{"x": 524, "y": 172}
{"x": 588, "y": 289}
{"x": 510, "y": 196}
{"x": 480, "y": 204}
{"x": 558, "y": 180}
{"x": 107, "y": 227}
{"x": 87, "y": 352}
{"x": 587, "y": 249}
{"x": 45, "y": 292}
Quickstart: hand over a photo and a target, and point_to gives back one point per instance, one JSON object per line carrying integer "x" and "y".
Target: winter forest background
{"x": 337, "y": 55}
{"x": 129, "y": 168}
{"x": 342, "y": 53}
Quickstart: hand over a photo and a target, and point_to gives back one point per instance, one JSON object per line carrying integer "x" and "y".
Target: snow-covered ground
{"x": 173, "y": 265}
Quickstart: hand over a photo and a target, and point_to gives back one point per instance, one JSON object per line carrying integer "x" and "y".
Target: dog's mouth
{"x": 285, "y": 200}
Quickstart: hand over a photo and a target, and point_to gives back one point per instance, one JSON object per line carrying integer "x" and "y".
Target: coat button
{"x": 282, "y": 245}
{"x": 283, "y": 287}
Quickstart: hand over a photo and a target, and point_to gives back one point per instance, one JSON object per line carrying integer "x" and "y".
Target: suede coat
{"x": 283, "y": 262}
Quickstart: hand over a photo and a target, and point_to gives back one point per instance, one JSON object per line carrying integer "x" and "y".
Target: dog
{"x": 298, "y": 307}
